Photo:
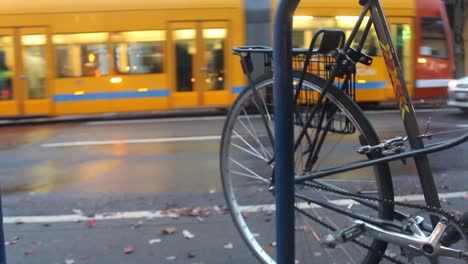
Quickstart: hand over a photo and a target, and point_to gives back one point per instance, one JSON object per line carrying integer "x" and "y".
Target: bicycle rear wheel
{"x": 247, "y": 170}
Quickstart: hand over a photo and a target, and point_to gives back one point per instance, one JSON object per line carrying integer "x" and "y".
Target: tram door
{"x": 23, "y": 72}
{"x": 198, "y": 64}
{"x": 402, "y": 33}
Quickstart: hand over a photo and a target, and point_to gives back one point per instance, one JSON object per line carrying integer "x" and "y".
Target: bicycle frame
{"x": 404, "y": 102}
{"x": 319, "y": 113}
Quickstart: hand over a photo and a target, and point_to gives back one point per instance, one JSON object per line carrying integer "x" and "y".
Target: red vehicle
{"x": 421, "y": 35}
{"x": 434, "y": 50}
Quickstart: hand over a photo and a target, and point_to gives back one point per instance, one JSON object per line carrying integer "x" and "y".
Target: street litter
{"x": 91, "y": 223}
{"x": 154, "y": 241}
{"x": 228, "y": 246}
{"x": 128, "y": 250}
{"x": 169, "y": 230}
{"x": 187, "y": 234}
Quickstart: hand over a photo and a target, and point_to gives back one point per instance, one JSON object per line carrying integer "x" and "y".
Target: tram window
{"x": 402, "y": 37}
{"x": 7, "y": 64}
{"x": 82, "y": 54}
{"x": 139, "y": 52}
{"x": 304, "y": 28}
{"x": 433, "y": 40}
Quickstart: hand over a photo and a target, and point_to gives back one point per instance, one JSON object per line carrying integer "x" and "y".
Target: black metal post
{"x": 284, "y": 133}
{"x": 2, "y": 235}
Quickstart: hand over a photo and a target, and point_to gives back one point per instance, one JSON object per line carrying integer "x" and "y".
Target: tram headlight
{"x": 452, "y": 84}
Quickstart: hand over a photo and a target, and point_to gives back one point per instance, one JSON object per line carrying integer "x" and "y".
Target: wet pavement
{"x": 128, "y": 241}
{"x": 76, "y": 183}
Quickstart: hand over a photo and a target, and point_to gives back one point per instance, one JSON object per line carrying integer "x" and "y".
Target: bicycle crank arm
{"x": 416, "y": 244}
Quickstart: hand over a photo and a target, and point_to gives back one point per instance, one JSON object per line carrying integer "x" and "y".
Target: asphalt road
{"x": 139, "y": 177}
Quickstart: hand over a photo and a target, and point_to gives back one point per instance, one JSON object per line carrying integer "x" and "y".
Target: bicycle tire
{"x": 260, "y": 245}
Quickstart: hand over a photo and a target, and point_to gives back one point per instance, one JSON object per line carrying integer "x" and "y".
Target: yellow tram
{"x": 83, "y": 57}
{"x": 421, "y": 34}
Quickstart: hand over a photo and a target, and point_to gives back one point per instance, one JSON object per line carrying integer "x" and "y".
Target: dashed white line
{"x": 127, "y": 141}
{"x": 169, "y": 214}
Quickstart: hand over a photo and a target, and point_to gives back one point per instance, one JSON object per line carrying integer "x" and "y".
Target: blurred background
{"x": 75, "y": 58}
{"x": 102, "y": 63}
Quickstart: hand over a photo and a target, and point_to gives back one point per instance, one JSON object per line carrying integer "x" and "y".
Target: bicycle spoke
{"x": 249, "y": 176}
{"x": 253, "y": 150}
{"x": 248, "y": 172}
{"x": 266, "y": 120}
{"x": 255, "y": 136}
{"x": 252, "y": 175}
{"x": 257, "y": 155}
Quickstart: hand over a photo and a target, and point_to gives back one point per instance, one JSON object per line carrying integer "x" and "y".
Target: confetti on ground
{"x": 12, "y": 240}
{"x": 169, "y": 230}
{"x": 154, "y": 241}
{"x": 187, "y": 234}
{"x": 137, "y": 225}
{"x": 69, "y": 261}
{"x": 129, "y": 250}
{"x": 91, "y": 223}
{"x": 228, "y": 246}
{"x": 171, "y": 258}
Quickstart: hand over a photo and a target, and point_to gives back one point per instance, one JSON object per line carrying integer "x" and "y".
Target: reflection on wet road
{"x": 151, "y": 156}
{"x": 119, "y": 166}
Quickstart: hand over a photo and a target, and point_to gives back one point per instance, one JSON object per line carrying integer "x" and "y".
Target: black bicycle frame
{"x": 419, "y": 151}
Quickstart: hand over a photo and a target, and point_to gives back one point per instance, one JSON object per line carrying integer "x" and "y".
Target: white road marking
{"x": 441, "y": 110}
{"x": 347, "y": 202}
{"x": 154, "y": 120}
{"x": 463, "y": 125}
{"x": 169, "y": 214}
{"x": 77, "y": 217}
{"x": 127, "y": 141}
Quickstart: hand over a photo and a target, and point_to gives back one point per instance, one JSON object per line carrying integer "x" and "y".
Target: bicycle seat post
{"x": 284, "y": 160}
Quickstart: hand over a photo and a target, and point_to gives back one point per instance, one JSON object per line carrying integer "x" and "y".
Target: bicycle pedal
{"x": 344, "y": 235}
{"x": 452, "y": 235}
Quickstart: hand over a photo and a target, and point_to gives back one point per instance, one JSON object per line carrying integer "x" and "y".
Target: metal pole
{"x": 284, "y": 133}
{"x": 2, "y": 235}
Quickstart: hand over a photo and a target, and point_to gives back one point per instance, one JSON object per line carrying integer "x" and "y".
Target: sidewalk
{"x": 418, "y": 104}
{"x": 215, "y": 241}
{"x": 111, "y": 116}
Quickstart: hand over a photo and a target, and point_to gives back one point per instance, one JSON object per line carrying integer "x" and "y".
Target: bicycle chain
{"x": 448, "y": 215}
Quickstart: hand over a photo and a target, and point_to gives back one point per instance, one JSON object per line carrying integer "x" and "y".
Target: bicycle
{"x": 345, "y": 211}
